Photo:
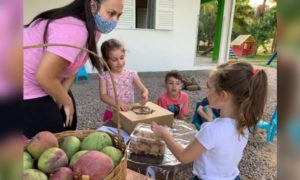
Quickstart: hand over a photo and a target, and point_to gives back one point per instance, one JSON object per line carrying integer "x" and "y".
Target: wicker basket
{"x": 119, "y": 172}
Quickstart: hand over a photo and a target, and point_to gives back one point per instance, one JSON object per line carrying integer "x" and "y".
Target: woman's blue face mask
{"x": 103, "y": 25}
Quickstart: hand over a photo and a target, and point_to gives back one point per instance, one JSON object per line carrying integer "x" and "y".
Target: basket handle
{"x": 103, "y": 63}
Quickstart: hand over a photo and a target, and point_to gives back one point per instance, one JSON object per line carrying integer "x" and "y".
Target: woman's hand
{"x": 47, "y": 76}
{"x": 59, "y": 105}
{"x": 158, "y": 130}
{"x": 145, "y": 98}
{"x": 69, "y": 110}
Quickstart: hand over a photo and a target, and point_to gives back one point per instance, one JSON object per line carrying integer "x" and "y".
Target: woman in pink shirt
{"x": 49, "y": 72}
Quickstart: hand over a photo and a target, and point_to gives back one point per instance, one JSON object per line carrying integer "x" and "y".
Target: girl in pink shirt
{"x": 173, "y": 99}
{"x": 113, "y": 52}
{"x": 49, "y": 72}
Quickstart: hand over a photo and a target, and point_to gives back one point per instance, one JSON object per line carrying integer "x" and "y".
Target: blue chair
{"x": 270, "y": 127}
{"x": 82, "y": 73}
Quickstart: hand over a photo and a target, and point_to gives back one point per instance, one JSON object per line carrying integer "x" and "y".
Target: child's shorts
{"x": 236, "y": 178}
{"x": 107, "y": 116}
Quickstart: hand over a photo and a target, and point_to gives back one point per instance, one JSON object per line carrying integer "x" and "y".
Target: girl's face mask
{"x": 103, "y": 25}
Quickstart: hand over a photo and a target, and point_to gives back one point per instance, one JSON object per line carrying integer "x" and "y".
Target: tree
{"x": 263, "y": 29}
{"x": 260, "y": 22}
{"x": 207, "y": 22}
{"x": 243, "y": 17}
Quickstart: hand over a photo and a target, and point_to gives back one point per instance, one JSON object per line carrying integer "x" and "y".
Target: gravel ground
{"x": 259, "y": 160}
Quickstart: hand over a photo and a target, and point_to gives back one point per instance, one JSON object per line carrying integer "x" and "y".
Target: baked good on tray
{"x": 144, "y": 141}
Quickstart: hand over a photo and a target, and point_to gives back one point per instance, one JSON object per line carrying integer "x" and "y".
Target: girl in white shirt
{"x": 239, "y": 91}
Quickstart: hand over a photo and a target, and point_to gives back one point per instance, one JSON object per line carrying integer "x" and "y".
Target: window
{"x": 147, "y": 14}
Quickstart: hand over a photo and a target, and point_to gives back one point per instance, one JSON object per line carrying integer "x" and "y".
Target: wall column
{"x": 229, "y": 9}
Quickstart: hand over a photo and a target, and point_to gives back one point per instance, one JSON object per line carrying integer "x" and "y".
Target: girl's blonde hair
{"x": 248, "y": 87}
{"x": 108, "y": 46}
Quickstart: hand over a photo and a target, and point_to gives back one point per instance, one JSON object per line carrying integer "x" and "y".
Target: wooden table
{"x": 132, "y": 175}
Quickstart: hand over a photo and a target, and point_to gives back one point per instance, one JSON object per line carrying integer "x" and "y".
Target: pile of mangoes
{"x": 92, "y": 159}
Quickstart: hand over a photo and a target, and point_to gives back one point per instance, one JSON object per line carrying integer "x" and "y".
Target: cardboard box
{"x": 130, "y": 119}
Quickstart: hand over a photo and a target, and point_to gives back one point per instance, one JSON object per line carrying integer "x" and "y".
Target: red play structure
{"x": 243, "y": 45}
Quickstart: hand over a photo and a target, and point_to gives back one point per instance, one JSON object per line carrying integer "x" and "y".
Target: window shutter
{"x": 127, "y": 19}
{"x": 164, "y": 14}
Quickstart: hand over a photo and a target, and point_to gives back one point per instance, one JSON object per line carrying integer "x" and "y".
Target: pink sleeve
{"x": 162, "y": 102}
{"x": 69, "y": 31}
{"x": 185, "y": 109}
{"x": 132, "y": 74}
{"x": 97, "y": 38}
{"x": 97, "y": 35}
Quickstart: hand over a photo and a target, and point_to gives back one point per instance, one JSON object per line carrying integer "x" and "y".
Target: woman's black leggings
{"x": 43, "y": 114}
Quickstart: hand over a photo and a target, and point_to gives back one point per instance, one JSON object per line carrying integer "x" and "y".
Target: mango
{"x": 62, "y": 173}
{"x": 96, "y": 141}
{"x": 75, "y": 157}
{"x": 40, "y": 142}
{"x": 114, "y": 153}
{"x": 70, "y": 145}
{"x": 94, "y": 164}
{"x": 27, "y": 161}
{"x": 52, "y": 159}
{"x": 34, "y": 174}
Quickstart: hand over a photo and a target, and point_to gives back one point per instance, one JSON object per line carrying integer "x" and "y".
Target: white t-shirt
{"x": 224, "y": 150}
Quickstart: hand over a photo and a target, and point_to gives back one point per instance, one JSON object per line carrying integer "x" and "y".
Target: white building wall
{"x": 34, "y": 7}
{"x": 162, "y": 50}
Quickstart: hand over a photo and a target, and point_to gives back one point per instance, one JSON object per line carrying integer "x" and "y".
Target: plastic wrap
{"x": 144, "y": 142}
{"x": 166, "y": 166}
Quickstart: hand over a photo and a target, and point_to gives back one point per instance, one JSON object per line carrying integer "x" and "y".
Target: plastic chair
{"x": 270, "y": 127}
{"x": 232, "y": 56}
{"x": 82, "y": 73}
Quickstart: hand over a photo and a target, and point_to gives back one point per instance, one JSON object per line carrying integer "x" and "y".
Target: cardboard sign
{"x": 130, "y": 119}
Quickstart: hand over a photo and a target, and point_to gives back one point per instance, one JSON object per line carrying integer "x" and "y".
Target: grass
{"x": 260, "y": 60}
